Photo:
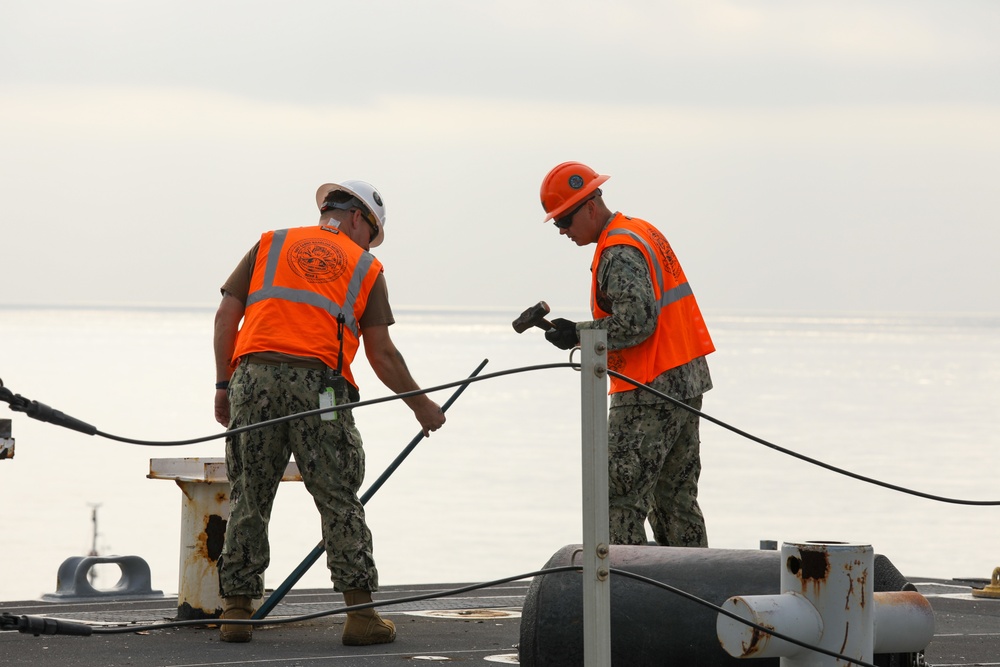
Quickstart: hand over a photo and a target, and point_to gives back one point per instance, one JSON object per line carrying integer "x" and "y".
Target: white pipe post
{"x": 204, "y": 487}
{"x": 596, "y": 582}
{"x": 838, "y": 578}
{"x": 827, "y": 600}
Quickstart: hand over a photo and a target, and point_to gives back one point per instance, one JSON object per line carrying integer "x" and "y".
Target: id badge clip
{"x": 333, "y": 384}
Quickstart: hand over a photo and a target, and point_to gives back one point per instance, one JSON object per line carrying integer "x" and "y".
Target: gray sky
{"x": 799, "y": 155}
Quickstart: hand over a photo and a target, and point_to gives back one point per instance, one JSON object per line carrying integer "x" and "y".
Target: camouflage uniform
{"x": 653, "y": 446}
{"x": 332, "y": 463}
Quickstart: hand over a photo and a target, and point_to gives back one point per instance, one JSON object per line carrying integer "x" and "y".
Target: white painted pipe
{"x": 904, "y": 622}
{"x": 789, "y": 613}
{"x": 204, "y": 513}
{"x": 827, "y": 601}
{"x": 839, "y": 579}
{"x": 205, "y": 489}
{"x": 836, "y": 580}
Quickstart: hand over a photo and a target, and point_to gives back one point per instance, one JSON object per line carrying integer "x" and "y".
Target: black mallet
{"x": 533, "y": 317}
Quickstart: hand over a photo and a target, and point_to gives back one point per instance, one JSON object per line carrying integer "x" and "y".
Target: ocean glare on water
{"x": 910, "y": 400}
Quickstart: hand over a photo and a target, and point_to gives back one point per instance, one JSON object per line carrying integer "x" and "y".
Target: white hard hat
{"x": 366, "y": 193}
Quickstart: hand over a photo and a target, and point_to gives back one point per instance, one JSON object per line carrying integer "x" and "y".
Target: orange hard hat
{"x": 566, "y": 185}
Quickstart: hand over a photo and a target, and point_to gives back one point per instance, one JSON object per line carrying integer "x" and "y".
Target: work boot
{"x": 238, "y": 607}
{"x": 365, "y": 627}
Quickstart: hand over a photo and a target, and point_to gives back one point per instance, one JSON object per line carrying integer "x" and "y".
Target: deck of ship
{"x": 478, "y": 627}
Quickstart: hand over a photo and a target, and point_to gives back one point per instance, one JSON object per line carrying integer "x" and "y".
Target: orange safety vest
{"x": 680, "y": 334}
{"x": 302, "y": 280}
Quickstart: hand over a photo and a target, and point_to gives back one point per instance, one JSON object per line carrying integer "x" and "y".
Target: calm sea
{"x": 911, "y": 400}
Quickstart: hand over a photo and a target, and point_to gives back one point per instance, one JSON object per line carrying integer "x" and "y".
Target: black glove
{"x": 563, "y": 334}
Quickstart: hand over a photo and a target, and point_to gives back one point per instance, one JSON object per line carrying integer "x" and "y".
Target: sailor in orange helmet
{"x": 657, "y": 337}
{"x": 306, "y": 296}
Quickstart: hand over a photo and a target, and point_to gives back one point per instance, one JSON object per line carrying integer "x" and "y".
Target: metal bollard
{"x": 204, "y": 512}
{"x": 827, "y": 600}
{"x": 73, "y": 580}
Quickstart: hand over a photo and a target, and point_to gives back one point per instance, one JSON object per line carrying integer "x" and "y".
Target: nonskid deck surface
{"x": 479, "y": 627}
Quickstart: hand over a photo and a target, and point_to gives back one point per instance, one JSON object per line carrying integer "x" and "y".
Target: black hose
{"x": 5, "y": 395}
{"x": 336, "y": 408}
{"x": 803, "y": 457}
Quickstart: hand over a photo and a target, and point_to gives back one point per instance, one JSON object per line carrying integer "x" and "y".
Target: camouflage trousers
{"x": 654, "y": 463}
{"x": 330, "y": 458}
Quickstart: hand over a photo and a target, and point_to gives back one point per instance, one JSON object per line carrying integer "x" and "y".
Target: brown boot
{"x": 365, "y": 627}
{"x": 238, "y": 607}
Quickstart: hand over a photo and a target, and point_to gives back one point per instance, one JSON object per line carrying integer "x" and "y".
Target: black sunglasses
{"x": 369, "y": 218}
{"x": 567, "y": 220}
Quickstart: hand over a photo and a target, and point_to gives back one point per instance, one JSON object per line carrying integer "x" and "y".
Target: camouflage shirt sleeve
{"x": 624, "y": 289}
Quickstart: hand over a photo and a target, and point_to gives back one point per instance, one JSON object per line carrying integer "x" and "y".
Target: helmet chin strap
{"x": 353, "y": 202}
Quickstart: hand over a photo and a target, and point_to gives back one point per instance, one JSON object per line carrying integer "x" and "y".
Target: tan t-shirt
{"x": 377, "y": 310}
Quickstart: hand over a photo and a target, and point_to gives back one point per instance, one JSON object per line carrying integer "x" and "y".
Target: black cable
{"x": 336, "y": 408}
{"x": 803, "y": 457}
{"x": 23, "y": 404}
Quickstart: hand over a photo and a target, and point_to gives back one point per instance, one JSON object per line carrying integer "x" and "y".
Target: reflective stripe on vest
{"x": 270, "y": 291}
{"x": 680, "y": 334}
{"x": 667, "y": 296}
{"x": 303, "y": 279}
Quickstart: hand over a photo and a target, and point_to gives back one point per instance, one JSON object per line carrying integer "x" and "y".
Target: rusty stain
{"x": 811, "y": 565}
{"x": 847, "y": 634}
{"x": 187, "y": 612}
{"x": 815, "y": 565}
{"x": 863, "y": 580}
{"x": 850, "y": 590}
{"x": 904, "y": 599}
{"x": 215, "y": 536}
{"x": 757, "y": 640}
{"x": 201, "y": 546}
{"x": 210, "y": 541}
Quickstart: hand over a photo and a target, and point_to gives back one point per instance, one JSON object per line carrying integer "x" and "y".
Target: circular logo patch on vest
{"x": 616, "y": 362}
{"x": 317, "y": 261}
{"x": 666, "y": 253}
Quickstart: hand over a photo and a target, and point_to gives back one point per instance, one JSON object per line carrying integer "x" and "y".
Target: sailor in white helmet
{"x": 306, "y": 296}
